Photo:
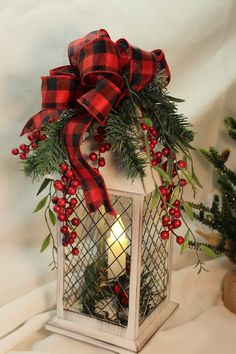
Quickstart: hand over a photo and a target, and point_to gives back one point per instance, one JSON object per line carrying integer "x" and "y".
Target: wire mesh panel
{"x": 96, "y": 283}
{"x": 154, "y": 262}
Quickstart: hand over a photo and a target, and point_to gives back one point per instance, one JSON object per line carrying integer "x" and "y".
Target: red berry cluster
{"x": 64, "y": 207}
{"x": 24, "y": 149}
{"x": 171, "y": 218}
{"x": 171, "y": 221}
{"x": 102, "y": 145}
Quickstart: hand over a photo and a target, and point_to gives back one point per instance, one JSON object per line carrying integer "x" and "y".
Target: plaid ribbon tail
{"x": 92, "y": 183}
{"x": 37, "y": 121}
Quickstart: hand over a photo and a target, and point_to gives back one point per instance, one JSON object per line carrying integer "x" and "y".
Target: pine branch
{"x": 51, "y": 152}
{"x": 162, "y": 109}
{"x": 230, "y": 124}
{"x": 219, "y": 250}
{"x": 124, "y": 138}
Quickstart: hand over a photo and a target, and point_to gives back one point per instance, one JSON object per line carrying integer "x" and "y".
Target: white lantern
{"x": 116, "y": 292}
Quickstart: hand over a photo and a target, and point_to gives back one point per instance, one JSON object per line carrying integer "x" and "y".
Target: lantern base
{"x": 121, "y": 345}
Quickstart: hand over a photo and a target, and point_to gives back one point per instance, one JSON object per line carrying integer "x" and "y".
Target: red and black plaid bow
{"x": 93, "y": 83}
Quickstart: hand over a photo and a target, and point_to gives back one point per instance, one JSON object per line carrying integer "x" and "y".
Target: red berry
{"x": 64, "y": 179}
{"x": 71, "y": 241}
{"x": 173, "y": 156}
{"x": 171, "y": 211}
{"x": 143, "y": 126}
{"x": 73, "y": 202}
{"x": 71, "y": 190}
{"x": 100, "y": 130}
{"x": 15, "y": 151}
{"x": 75, "y": 251}
{"x": 158, "y": 155}
{"x": 30, "y": 137}
{"x": 27, "y": 150}
{"x": 55, "y": 200}
{"x": 23, "y": 156}
{"x": 183, "y": 182}
{"x": 164, "y": 166}
{"x": 101, "y": 162}
{"x": 102, "y": 148}
{"x": 170, "y": 227}
{"x": 162, "y": 190}
{"x": 177, "y": 214}
{"x": 34, "y": 146}
{"x": 23, "y": 147}
{"x": 117, "y": 289}
{"x": 154, "y": 162}
{"x": 64, "y": 229}
{"x": 174, "y": 173}
{"x": 152, "y": 145}
{"x": 177, "y": 223}
{"x": 164, "y": 235}
{"x": 69, "y": 211}
{"x": 124, "y": 299}
{"x": 73, "y": 234}
{"x": 42, "y": 137}
{"x": 98, "y": 138}
{"x": 36, "y": 134}
{"x": 153, "y": 131}
{"x": 180, "y": 240}
{"x": 165, "y": 151}
{"x": 58, "y": 185}
{"x": 75, "y": 183}
{"x": 61, "y": 217}
{"x": 64, "y": 244}
{"x": 176, "y": 203}
{"x": 166, "y": 218}
{"x": 75, "y": 221}
{"x": 64, "y": 167}
{"x": 69, "y": 174}
{"x": 56, "y": 208}
{"x": 62, "y": 202}
{"x": 181, "y": 164}
{"x": 108, "y": 146}
{"x": 93, "y": 156}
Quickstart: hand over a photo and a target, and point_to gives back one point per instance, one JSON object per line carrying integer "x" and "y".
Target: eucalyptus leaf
{"x": 52, "y": 216}
{"x": 184, "y": 246}
{"x": 41, "y": 204}
{"x": 44, "y": 185}
{"x": 148, "y": 122}
{"x": 188, "y": 210}
{"x": 155, "y": 199}
{"x": 163, "y": 174}
{"x": 208, "y": 251}
{"x": 196, "y": 180}
{"x": 45, "y": 243}
{"x": 188, "y": 177}
{"x": 175, "y": 194}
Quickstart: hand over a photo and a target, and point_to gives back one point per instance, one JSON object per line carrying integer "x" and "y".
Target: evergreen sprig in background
{"x": 221, "y": 216}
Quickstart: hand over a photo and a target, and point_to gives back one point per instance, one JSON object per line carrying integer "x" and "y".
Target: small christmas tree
{"x": 221, "y": 216}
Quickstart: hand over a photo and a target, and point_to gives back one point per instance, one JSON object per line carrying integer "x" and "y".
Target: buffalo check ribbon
{"x": 93, "y": 85}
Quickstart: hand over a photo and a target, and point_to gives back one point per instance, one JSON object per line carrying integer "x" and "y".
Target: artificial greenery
{"x": 221, "y": 216}
{"x": 51, "y": 152}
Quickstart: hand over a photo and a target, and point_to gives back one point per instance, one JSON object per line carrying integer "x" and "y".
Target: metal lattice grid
{"x": 96, "y": 283}
{"x": 154, "y": 262}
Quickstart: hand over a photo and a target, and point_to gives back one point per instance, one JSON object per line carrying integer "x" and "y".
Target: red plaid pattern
{"x": 94, "y": 83}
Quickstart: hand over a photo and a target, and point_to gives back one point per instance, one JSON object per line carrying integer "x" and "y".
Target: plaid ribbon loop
{"x": 93, "y": 84}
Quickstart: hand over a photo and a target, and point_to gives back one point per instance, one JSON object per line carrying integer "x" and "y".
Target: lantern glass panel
{"x": 96, "y": 283}
{"x": 154, "y": 262}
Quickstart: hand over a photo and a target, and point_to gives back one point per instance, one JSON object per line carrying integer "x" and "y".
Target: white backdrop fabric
{"x": 199, "y": 40}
